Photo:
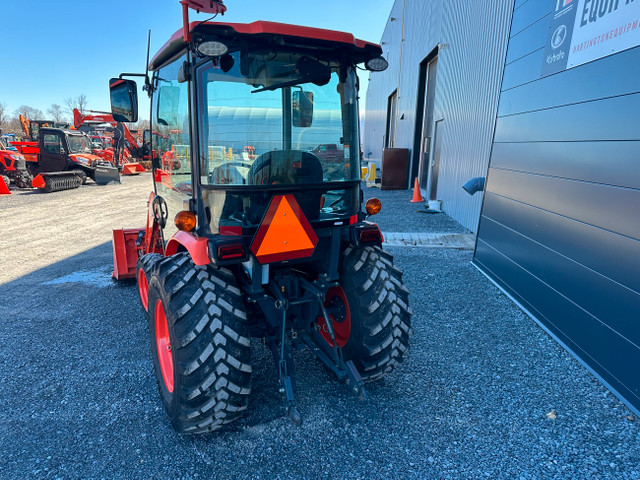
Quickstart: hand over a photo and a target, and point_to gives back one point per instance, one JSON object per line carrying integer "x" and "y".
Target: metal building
{"x": 548, "y": 91}
{"x": 439, "y": 96}
{"x": 560, "y": 230}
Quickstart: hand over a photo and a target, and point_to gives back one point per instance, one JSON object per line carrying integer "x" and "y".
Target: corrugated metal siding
{"x": 559, "y": 229}
{"x": 470, "y": 62}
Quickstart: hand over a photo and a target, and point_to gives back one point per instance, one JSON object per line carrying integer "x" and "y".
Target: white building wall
{"x": 472, "y": 39}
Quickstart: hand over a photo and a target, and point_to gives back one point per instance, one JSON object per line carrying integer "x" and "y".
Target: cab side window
{"x": 52, "y": 144}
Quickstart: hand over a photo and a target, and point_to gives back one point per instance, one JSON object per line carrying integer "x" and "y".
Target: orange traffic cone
{"x": 417, "y": 197}
{"x": 4, "y": 188}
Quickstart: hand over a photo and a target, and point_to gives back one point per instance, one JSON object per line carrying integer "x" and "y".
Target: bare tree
{"x": 140, "y": 125}
{"x": 55, "y": 112}
{"x": 29, "y": 112}
{"x": 80, "y": 102}
{"x": 13, "y": 125}
{"x": 4, "y": 117}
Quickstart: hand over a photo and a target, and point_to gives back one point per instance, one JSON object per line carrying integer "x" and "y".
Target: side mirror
{"x": 146, "y": 136}
{"x": 124, "y": 100}
{"x": 302, "y": 104}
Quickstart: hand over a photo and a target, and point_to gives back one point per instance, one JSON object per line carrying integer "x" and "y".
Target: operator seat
{"x": 286, "y": 167}
{"x": 227, "y": 174}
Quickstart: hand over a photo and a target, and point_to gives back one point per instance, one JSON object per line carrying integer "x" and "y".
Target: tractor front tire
{"x": 199, "y": 343}
{"x": 380, "y": 317}
{"x": 144, "y": 266}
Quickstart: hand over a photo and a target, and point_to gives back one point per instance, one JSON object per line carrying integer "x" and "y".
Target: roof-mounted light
{"x": 212, "y": 49}
{"x": 377, "y": 64}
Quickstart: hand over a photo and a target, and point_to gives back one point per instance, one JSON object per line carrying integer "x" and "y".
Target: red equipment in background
{"x": 130, "y": 155}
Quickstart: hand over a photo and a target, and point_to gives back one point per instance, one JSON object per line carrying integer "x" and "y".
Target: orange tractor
{"x": 13, "y": 167}
{"x": 275, "y": 247}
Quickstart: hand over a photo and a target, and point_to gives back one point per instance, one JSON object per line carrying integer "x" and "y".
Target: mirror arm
{"x": 147, "y": 87}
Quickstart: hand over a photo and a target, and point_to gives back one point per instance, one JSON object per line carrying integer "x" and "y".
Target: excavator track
{"x": 60, "y": 182}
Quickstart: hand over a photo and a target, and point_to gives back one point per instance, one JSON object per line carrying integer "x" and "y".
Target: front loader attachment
{"x": 105, "y": 174}
{"x": 132, "y": 169}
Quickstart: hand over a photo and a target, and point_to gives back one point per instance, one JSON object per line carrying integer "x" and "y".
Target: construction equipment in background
{"x": 32, "y": 127}
{"x": 7, "y": 139}
{"x": 276, "y": 246}
{"x": 125, "y": 149}
{"x": 13, "y": 166}
{"x": 63, "y": 159}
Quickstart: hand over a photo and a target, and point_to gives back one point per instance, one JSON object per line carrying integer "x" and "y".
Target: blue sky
{"x": 53, "y": 50}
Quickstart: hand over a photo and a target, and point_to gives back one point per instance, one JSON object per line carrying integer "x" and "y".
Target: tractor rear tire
{"x": 199, "y": 343}
{"x": 380, "y": 317}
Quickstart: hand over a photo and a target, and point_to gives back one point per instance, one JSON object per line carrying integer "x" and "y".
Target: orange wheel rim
{"x": 338, "y": 309}
{"x": 143, "y": 289}
{"x": 163, "y": 346}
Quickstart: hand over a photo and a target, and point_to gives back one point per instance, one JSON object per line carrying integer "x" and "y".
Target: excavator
{"x": 126, "y": 150}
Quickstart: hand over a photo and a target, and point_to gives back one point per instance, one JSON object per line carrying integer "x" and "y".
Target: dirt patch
{"x": 41, "y": 229}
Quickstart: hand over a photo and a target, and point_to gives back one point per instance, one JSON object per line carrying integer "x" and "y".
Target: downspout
{"x": 395, "y": 130}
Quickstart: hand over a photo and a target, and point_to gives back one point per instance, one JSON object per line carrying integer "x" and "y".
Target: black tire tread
{"x": 382, "y": 303}
{"x": 211, "y": 343}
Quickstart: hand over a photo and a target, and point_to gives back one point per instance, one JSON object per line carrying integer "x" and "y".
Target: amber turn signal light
{"x": 185, "y": 221}
{"x": 373, "y": 206}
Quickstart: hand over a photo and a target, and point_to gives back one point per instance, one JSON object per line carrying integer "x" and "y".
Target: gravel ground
{"x": 472, "y": 401}
{"x": 398, "y": 214}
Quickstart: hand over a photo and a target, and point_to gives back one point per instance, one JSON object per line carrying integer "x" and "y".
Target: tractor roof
{"x": 294, "y": 35}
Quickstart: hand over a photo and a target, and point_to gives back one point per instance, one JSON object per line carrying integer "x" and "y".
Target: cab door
{"x": 171, "y": 143}
{"x": 53, "y": 151}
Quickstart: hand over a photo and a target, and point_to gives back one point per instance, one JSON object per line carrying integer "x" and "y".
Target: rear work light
{"x": 231, "y": 252}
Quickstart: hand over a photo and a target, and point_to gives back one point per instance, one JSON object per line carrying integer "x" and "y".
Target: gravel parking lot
{"x": 485, "y": 392}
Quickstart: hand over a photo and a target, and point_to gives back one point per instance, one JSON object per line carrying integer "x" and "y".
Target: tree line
{"x": 10, "y": 122}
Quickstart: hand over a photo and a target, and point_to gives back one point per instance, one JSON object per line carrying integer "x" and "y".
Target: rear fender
{"x": 197, "y": 247}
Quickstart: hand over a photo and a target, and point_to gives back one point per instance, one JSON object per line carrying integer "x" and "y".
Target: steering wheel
{"x": 160, "y": 211}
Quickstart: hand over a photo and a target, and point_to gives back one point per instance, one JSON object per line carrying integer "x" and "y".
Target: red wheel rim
{"x": 143, "y": 289}
{"x": 163, "y": 346}
{"x": 337, "y": 306}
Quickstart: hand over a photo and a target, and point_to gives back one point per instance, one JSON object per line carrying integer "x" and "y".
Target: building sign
{"x": 584, "y": 30}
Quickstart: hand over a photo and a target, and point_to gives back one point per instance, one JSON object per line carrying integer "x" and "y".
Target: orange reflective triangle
{"x": 285, "y": 232}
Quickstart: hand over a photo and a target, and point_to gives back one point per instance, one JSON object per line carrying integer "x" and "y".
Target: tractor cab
{"x": 36, "y": 125}
{"x": 70, "y": 150}
{"x": 251, "y": 232}
{"x": 281, "y": 89}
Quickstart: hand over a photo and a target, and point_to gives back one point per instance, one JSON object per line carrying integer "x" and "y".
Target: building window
{"x": 392, "y": 109}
